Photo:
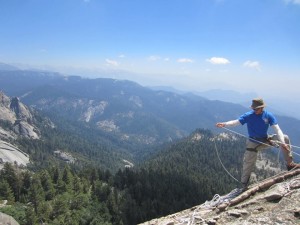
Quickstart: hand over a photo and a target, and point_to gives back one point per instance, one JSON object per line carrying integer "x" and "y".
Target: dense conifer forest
{"x": 180, "y": 176}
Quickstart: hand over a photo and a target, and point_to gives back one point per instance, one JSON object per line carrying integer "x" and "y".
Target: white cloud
{"x": 153, "y": 58}
{"x": 252, "y": 64}
{"x": 121, "y": 56}
{"x": 157, "y": 58}
{"x": 218, "y": 60}
{"x": 110, "y": 62}
{"x": 296, "y": 2}
{"x": 185, "y": 60}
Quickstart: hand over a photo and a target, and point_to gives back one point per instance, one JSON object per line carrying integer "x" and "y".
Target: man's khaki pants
{"x": 250, "y": 155}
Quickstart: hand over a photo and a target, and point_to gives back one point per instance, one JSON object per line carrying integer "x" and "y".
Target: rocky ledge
{"x": 271, "y": 201}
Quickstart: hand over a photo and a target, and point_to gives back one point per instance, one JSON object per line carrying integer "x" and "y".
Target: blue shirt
{"x": 258, "y": 125}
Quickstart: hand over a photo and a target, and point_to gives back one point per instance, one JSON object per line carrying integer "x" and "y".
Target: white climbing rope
{"x": 223, "y": 164}
{"x": 210, "y": 205}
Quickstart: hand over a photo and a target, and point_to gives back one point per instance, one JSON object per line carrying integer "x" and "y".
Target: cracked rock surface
{"x": 277, "y": 204}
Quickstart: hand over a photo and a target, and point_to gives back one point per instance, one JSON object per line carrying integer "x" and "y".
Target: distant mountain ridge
{"x": 279, "y": 106}
{"x": 122, "y": 107}
{"x": 284, "y": 107}
{"x": 227, "y": 96}
{"x": 7, "y": 67}
{"x": 125, "y": 113}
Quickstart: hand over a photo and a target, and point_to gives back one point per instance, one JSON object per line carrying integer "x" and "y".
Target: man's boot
{"x": 293, "y": 166}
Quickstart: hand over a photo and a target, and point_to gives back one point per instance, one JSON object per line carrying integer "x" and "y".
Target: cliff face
{"x": 16, "y": 120}
{"x": 5, "y": 111}
{"x": 272, "y": 201}
{"x": 16, "y": 113}
{"x": 20, "y": 110}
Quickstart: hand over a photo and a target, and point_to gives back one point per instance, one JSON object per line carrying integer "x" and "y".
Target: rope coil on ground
{"x": 211, "y": 205}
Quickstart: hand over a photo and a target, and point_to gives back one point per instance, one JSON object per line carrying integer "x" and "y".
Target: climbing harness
{"x": 273, "y": 143}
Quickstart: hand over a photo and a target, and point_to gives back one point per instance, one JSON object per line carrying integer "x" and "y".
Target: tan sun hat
{"x": 257, "y": 103}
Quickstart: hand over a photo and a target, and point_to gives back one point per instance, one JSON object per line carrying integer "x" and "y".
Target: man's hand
{"x": 220, "y": 125}
{"x": 285, "y": 147}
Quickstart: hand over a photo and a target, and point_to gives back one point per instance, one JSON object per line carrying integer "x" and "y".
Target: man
{"x": 258, "y": 121}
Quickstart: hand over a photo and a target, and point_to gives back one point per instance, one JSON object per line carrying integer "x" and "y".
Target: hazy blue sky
{"x": 245, "y": 45}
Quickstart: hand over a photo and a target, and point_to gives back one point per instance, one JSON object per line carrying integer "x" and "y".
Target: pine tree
{"x": 36, "y": 193}
{"x": 60, "y": 205}
{"x": 9, "y": 174}
{"x": 31, "y": 218}
{"x": 101, "y": 191}
{"x": 26, "y": 182}
{"x": 67, "y": 178}
{"x": 77, "y": 185}
{"x": 6, "y": 192}
{"x": 44, "y": 211}
{"x": 47, "y": 185}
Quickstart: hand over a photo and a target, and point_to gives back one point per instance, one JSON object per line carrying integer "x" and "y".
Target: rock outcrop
{"x": 5, "y": 111}
{"x": 65, "y": 156}
{"x": 6, "y": 219}
{"x": 272, "y": 201}
{"x": 11, "y": 154}
{"x": 19, "y": 116}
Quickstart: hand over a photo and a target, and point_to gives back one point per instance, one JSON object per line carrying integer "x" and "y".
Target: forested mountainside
{"x": 27, "y": 131}
{"x": 123, "y": 113}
